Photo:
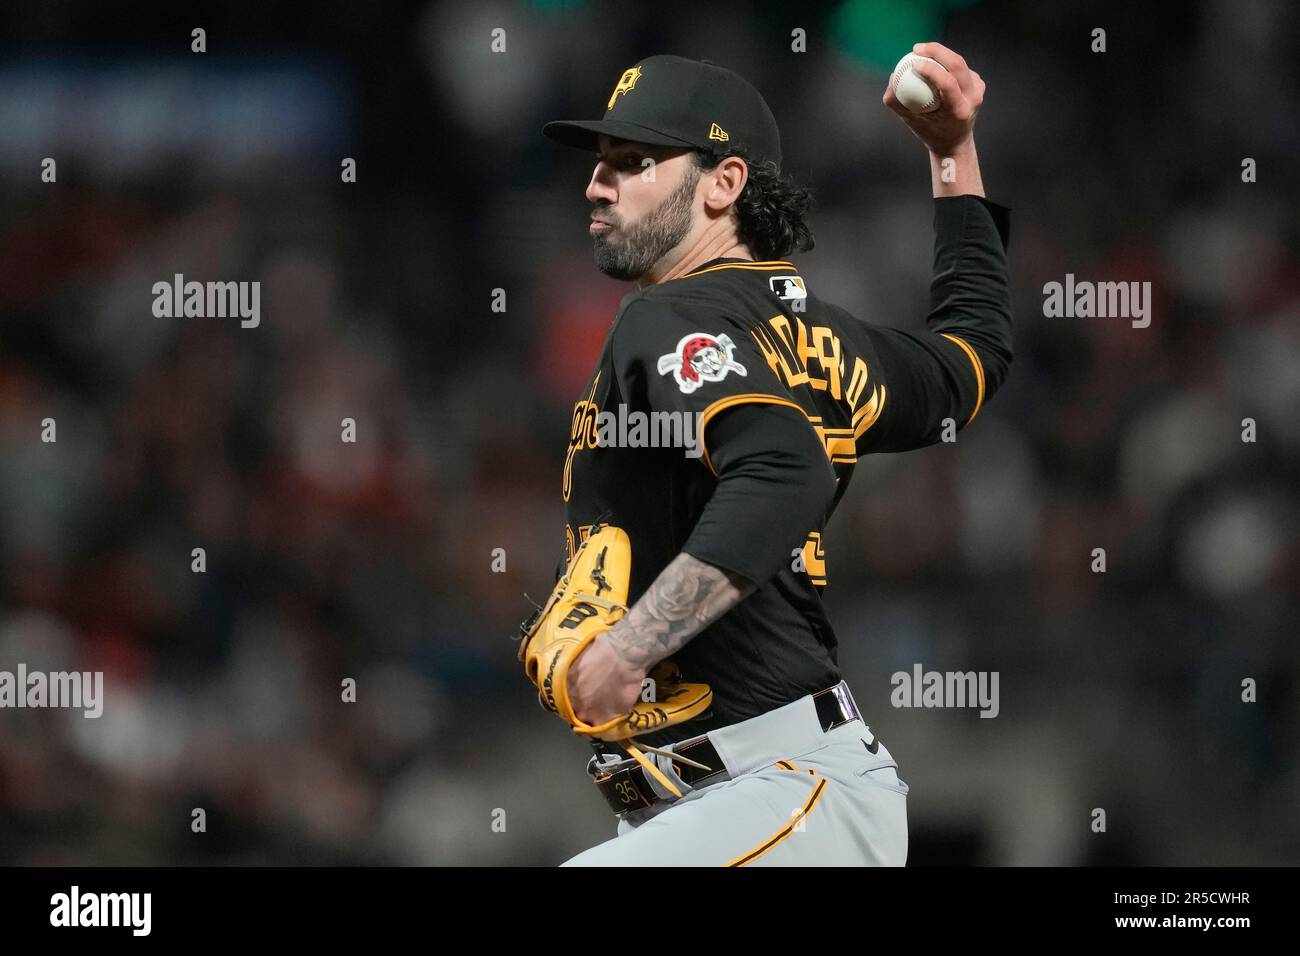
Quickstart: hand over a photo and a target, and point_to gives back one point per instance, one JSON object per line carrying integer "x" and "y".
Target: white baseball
{"x": 914, "y": 91}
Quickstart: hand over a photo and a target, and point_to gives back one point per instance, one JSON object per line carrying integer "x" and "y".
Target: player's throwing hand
{"x": 948, "y": 129}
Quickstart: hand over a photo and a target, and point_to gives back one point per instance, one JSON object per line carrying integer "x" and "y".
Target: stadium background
{"x": 325, "y": 561}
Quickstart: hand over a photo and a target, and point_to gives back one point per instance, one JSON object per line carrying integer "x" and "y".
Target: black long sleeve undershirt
{"x": 928, "y": 377}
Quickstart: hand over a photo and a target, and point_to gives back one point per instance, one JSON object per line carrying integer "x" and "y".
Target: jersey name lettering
{"x": 800, "y": 355}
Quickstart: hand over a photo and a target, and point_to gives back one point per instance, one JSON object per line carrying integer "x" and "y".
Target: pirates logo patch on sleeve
{"x": 700, "y": 358}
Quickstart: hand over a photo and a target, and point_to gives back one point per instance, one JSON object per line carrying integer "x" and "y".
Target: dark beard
{"x": 645, "y": 243}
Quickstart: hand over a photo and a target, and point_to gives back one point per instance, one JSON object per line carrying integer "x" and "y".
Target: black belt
{"x": 625, "y": 787}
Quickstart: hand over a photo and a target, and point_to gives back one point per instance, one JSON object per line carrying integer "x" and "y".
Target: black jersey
{"x": 736, "y": 333}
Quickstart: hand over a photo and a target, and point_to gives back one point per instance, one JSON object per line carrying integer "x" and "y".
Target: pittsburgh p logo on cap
{"x": 625, "y": 84}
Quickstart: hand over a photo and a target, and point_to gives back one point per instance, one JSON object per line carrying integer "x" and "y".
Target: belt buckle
{"x": 848, "y": 706}
{"x": 835, "y": 707}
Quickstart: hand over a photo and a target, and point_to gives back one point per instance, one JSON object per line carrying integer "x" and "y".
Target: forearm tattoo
{"x": 687, "y": 597}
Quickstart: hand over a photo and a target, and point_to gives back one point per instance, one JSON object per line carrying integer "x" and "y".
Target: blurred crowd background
{"x": 373, "y": 560}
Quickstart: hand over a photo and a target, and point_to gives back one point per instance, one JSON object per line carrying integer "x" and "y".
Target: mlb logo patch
{"x": 788, "y": 287}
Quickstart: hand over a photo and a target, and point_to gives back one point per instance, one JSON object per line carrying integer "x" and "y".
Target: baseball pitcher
{"x": 686, "y": 637}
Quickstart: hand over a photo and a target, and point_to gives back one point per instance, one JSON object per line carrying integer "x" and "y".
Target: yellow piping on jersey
{"x": 767, "y": 266}
{"x": 979, "y": 373}
{"x": 724, "y": 403}
{"x": 838, "y": 443}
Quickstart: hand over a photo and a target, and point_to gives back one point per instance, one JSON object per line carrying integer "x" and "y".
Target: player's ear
{"x": 729, "y": 178}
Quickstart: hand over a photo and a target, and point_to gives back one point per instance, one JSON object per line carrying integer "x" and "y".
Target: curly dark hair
{"x": 772, "y": 209}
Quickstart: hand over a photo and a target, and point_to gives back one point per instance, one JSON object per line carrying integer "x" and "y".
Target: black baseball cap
{"x": 672, "y": 101}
